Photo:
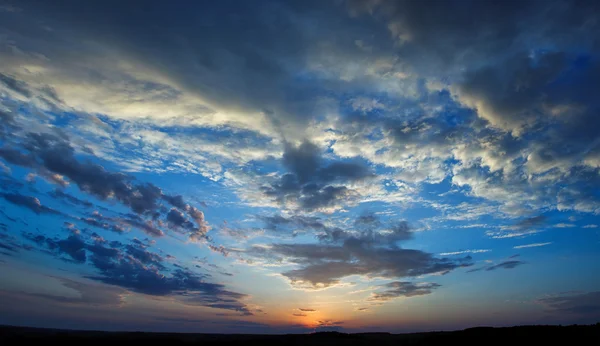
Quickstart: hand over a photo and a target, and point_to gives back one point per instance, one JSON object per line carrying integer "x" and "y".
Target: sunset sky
{"x": 298, "y": 166}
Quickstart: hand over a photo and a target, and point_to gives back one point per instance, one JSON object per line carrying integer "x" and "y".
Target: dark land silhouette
{"x": 521, "y": 335}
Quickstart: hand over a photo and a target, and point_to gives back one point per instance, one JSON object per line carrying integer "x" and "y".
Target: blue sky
{"x": 292, "y": 166}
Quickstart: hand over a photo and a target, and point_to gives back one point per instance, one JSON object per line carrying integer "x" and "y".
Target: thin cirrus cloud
{"x": 531, "y": 245}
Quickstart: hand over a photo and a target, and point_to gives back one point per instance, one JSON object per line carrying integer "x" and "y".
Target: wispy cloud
{"x": 464, "y": 252}
{"x": 531, "y": 245}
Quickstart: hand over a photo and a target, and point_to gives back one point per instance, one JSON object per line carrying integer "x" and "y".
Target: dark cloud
{"x": 176, "y": 201}
{"x": 231, "y": 59}
{"x": 57, "y": 155}
{"x": 511, "y": 97}
{"x": 146, "y": 257}
{"x": 368, "y": 220}
{"x": 325, "y": 265}
{"x": 9, "y": 244}
{"x": 134, "y": 267}
{"x": 375, "y": 234}
{"x": 370, "y": 252}
{"x": 15, "y": 85}
{"x": 329, "y": 326}
{"x": 303, "y": 160}
{"x": 530, "y": 222}
{"x": 278, "y": 222}
{"x": 31, "y": 203}
{"x": 309, "y": 183}
{"x": 403, "y": 289}
{"x": 298, "y": 314}
{"x": 583, "y": 304}
{"x": 16, "y": 157}
{"x": 449, "y": 34}
{"x": 506, "y": 265}
{"x": 89, "y": 294}
{"x": 58, "y": 194}
{"x": 307, "y": 310}
{"x": 54, "y": 155}
{"x": 177, "y": 219}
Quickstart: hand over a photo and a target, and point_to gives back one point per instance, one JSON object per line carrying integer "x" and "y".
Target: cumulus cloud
{"x": 311, "y": 184}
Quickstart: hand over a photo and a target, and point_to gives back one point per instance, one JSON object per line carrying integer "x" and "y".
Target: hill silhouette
{"x": 575, "y": 334}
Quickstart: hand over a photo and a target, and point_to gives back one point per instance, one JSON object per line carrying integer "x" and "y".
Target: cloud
{"x": 531, "y": 245}
{"x": 89, "y": 294}
{"x": 311, "y": 184}
{"x": 299, "y": 314}
{"x": 307, "y": 310}
{"x": 369, "y": 253}
{"x": 584, "y": 304}
{"x": 464, "y": 252}
{"x": 368, "y": 220}
{"x": 177, "y": 219}
{"x": 564, "y": 225}
{"x": 590, "y": 226}
{"x": 134, "y": 268}
{"x": 505, "y": 265}
{"x": 55, "y": 154}
{"x": 529, "y": 222}
{"x": 31, "y": 203}
{"x": 329, "y": 326}
{"x": 69, "y": 198}
{"x": 403, "y": 289}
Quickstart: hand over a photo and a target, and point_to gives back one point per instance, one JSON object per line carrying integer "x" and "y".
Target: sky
{"x": 299, "y": 166}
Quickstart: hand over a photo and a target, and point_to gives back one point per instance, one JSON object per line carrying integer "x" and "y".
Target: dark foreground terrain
{"x": 533, "y": 335}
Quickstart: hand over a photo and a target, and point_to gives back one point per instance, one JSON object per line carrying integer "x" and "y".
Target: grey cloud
{"x": 325, "y": 265}
{"x": 55, "y": 154}
{"x": 369, "y": 252}
{"x": 403, "y": 289}
{"x": 310, "y": 183}
{"x": 303, "y": 160}
{"x": 307, "y": 310}
{"x": 93, "y": 295}
{"x": 10, "y": 245}
{"x": 506, "y": 265}
{"x": 137, "y": 269}
{"x": 530, "y": 222}
{"x": 230, "y": 58}
{"x": 176, "y": 201}
{"x": 449, "y": 34}
{"x": 510, "y": 97}
{"x": 177, "y": 219}
{"x": 32, "y": 203}
{"x": 70, "y": 198}
{"x": 375, "y": 234}
{"x": 368, "y": 220}
{"x": 585, "y": 304}
{"x": 15, "y": 85}
{"x": 329, "y": 326}
{"x": 16, "y": 157}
